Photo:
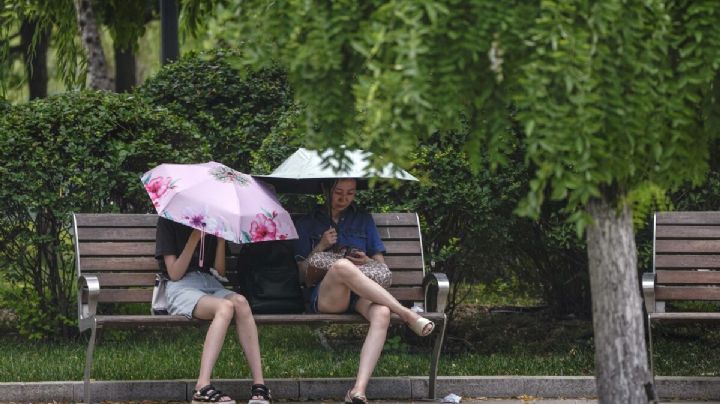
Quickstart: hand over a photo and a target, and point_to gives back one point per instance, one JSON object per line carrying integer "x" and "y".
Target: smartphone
{"x": 353, "y": 252}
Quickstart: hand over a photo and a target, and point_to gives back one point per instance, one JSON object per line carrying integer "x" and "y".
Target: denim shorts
{"x": 314, "y": 300}
{"x": 184, "y": 294}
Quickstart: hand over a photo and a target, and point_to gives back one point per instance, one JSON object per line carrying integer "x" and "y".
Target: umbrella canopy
{"x": 305, "y": 170}
{"x": 216, "y": 199}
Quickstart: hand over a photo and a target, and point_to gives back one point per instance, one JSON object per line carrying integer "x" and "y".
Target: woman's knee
{"x": 241, "y": 305}
{"x": 224, "y": 310}
{"x": 343, "y": 268}
{"x": 380, "y": 315}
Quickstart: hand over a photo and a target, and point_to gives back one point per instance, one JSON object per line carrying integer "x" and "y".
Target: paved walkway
{"x": 471, "y": 389}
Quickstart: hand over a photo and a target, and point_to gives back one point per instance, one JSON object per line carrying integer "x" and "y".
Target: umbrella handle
{"x": 201, "y": 257}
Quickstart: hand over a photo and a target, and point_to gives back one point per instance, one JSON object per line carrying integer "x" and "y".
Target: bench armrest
{"x": 436, "y": 287}
{"x": 648, "y": 290}
{"x": 89, "y": 286}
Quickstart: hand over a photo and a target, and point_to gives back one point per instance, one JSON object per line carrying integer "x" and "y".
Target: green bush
{"x": 233, "y": 109}
{"x": 471, "y": 233}
{"x": 284, "y": 139}
{"x": 76, "y": 152}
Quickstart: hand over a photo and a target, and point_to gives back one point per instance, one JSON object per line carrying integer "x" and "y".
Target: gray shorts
{"x": 184, "y": 294}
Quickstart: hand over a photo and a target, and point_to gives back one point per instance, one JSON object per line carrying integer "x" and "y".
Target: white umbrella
{"x": 305, "y": 170}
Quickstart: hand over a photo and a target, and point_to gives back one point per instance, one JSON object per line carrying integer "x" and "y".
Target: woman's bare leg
{"x": 343, "y": 272}
{"x": 220, "y": 311}
{"x": 247, "y": 335}
{"x": 379, "y": 318}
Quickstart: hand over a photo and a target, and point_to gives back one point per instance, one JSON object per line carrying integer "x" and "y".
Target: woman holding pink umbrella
{"x": 201, "y": 206}
{"x": 194, "y": 292}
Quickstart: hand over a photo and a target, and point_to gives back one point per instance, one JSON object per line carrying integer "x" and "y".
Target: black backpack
{"x": 269, "y": 279}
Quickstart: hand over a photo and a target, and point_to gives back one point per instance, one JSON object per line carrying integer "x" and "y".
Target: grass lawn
{"x": 480, "y": 342}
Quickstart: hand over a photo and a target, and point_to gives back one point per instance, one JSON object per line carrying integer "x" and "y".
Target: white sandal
{"x": 419, "y": 327}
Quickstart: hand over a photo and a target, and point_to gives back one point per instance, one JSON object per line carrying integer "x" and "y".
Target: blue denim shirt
{"x": 356, "y": 228}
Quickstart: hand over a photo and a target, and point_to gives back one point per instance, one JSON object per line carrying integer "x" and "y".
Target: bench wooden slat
{"x": 125, "y": 295}
{"x": 125, "y": 279}
{"x": 687, "y": 293}
{"x": 118, "y": 264}
{"x": 117, "y": 234}
{"x": 685, "y": 316}
{"x": 683, "y": 218}
{"x": 115, "y": 220}
{"x": 146, "y": 248}
{"x": 687, "y": 246}
{"x": 399, "y": 233}
{"x": 274, "y": 319}
{"x": 404, "y": 262}
{"x": 143, "y": 295}
{"x": 687, "y": 261}
{"x": 687, "y": 232}
{"x": 402, "y": 247}
{"x": 687, "y": 277}
{"x": 406, "y": 278}
{"x": 395, "y": 219}
{"x": 400, "y": 278}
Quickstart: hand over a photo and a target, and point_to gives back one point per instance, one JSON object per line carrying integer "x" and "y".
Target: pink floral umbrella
{"x": 216, "y": 199}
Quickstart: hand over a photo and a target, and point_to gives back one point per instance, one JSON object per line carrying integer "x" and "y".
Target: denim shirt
{"x": 355, "y": 228}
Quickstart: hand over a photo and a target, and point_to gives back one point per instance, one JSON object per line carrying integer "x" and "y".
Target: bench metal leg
{"x": 88, "y": 363}
{"x": 650, "y": 353}
{"x": 440, "y": 336}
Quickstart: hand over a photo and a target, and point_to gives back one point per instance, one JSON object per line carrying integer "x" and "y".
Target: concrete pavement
{"x": 472, "y": 389}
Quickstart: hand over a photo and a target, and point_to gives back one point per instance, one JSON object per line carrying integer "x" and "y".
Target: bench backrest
{"x": 119, "y": 249}
{"x": 686, "y": 256}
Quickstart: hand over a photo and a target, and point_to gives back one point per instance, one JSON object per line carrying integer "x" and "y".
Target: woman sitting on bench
{"x": 344, "y": 288}
{"x": 194, "y": 292}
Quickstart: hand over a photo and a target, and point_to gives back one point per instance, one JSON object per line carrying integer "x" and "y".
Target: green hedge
{"x": 76, "y": 152}
{"x": 85, "y": 152}
{"x": 235, "y": 109}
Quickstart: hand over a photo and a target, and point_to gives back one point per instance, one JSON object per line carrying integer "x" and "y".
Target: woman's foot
{"x": 355, "y": 398}
{"x": 209, "y": 394}
{"x": 422, "y": 326}
{"x": 259, "y": 394}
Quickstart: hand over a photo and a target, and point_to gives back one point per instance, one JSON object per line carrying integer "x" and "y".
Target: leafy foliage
{"x": 56, "y": 16}
{"x": 125, "y": 20}
{"x": 78, "y": 152}
{"x": 471, "y": 234}
{"x": 235, "y": 110}
{"x": 598, "y": 102}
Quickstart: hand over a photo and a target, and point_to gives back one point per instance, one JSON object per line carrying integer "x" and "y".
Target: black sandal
{"x": 209, "y": 394}
{"x": 259, "y": 390}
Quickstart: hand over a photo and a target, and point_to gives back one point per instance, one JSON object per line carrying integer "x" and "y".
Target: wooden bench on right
{"x": 686, "y": 267}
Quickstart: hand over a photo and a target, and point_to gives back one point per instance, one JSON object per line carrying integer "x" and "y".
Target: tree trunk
{"x": 97, "y": 66}
{"x": 124, "y": 70}
{"x": 35, "y": 58}
{"x": 621, "y": 365}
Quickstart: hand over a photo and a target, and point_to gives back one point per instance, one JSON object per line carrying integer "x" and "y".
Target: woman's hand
{"x": 328, "y": 239}
{"x": 177, "y": 266}
{"x": 358, "y": 257}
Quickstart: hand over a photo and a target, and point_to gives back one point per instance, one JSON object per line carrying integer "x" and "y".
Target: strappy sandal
{"x": 259, "y": 390}
{"x": 422, "y": 327}
{"x": 355, "y": 398}
{"x": 209, "y": 394}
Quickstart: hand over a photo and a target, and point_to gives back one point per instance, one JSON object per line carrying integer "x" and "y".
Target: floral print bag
{"x": 320, "y": 262}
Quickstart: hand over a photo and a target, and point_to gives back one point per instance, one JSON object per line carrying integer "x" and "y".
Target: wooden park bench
{"x": 116, "y": 266}
{"x": 686, "y": 267}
